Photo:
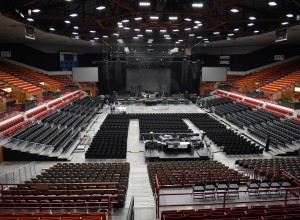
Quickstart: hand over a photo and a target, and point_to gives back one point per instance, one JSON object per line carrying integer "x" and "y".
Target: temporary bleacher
{"x": 52, "y": 133}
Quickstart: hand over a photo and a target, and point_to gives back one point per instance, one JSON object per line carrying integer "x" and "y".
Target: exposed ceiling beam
{"x": 297, "y": 2}
{"x": 123, "y": 5}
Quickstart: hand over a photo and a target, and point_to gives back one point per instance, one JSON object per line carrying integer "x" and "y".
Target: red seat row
{"x": 15, "y": 128}
{"x": 279, "y": 111}
{"x": 41, "y": 114}
{"x": 252, "y": 103}
{"x": 59, "y": 105}
{"x": 54, "y": 103}
{"x": 53, "y": 216}
{"x": 36, "y": 111}
{"x": 11, "y": 123}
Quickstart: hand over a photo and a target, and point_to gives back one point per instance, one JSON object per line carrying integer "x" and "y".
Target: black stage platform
{"x": 153, "y": 101}
{"x": 158, "y": 154}
{"x": 188, "y": 146}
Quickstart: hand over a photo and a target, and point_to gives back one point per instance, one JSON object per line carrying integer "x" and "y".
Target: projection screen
{"x": 85, "y": 74}
{"x": 213, "y": 74}
{"x": 149, "y": 79}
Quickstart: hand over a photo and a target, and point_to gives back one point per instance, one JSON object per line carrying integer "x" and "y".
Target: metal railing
{"x": 19, "y": 175}
{"x": 130, "y": 214}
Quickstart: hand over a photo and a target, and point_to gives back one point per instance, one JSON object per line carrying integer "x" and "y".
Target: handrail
{"x": 130, "y": 214}
{"x": 19, "y": 175}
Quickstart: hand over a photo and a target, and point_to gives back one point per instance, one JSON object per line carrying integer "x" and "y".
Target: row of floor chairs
{"x": 232, "y": 143}
{"x": 272, "y": 166}
{"x": 236, "y": 213}
{"x": 225, "y": 109}
{"x": 110, "y": 140}
{"x": 214, "y": 168}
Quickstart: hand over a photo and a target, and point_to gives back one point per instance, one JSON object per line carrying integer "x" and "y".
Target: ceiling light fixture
{"x": 73, "y": 15}
{"x": 154, "y": 17}
{"x": 180, "y": 40}
{"x": 162, "y": 31}
{"x": 148, "y": 30}
{"x": 30, "y": 19}
{"x": 137, "y": 29}
{"x": 191, "y": 35}
{"x": 76, "y": 27}
{"x": 67, "y": 21}
{"x": 125, "y": 21}
{"x": 272, "y": 3}
{"x": 36, "y": 10}
{"x": 187, "y": 29}
{"x": 197, "y": 22}
{"x": 195, "y": 27}
{"x": 144, "y": 4}
{"x": 92, "y": 31}
{"x": 52, "y": 29}
{"x": 236, "y": 29}
{"x": 199, "y": 37}
{"x": 234, "y": 10}
{"x": 290, "y": 15}
{"x": 166, "y": 35}
{"x": 230, "y": 34}
{"x": 173, "y": 18}
{"x": 140, "y": 35}
{"x": 216, "y": 32}
{"x": 188, "y": 19}
{"x": 75, "y": 33}
{"x": 105, "y": 36}
{"x": 256, "y": 31}
{"x": 96, "y": 38}
{"x": 197, "y": 5}
{"x": 101, "y": 7}
{"x": 115, "y": 34}
{"x": 126, "y": 28}
{"x": 168, "y": 38}
{"x": 138, "y": 18}
{"x": 135, "y": 38}
{"x": 175, "y": 30}
{"x": 252, "y": 18}
{"x": 22, "y": 15}
{"x": 284, "y": 23}
{"x": 250, "y": 24}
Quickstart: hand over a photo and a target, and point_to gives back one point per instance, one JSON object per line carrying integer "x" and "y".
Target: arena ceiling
{"x": 158, "y": 24}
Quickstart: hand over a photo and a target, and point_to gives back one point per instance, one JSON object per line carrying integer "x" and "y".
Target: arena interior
{"x": 153, "y": 109}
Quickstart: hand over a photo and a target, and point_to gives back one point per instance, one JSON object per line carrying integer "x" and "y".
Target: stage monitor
{"x": 85, "y": 74}
{"x": 297, "y": 89}
{"x": 214, "y": 74}
{"x": 281, "y": 35}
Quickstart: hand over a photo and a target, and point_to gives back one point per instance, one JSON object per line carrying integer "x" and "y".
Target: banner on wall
{"x": 278, "y": 57}
{"x": 5, "y": 53}
{"x": 225, "y": 60}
